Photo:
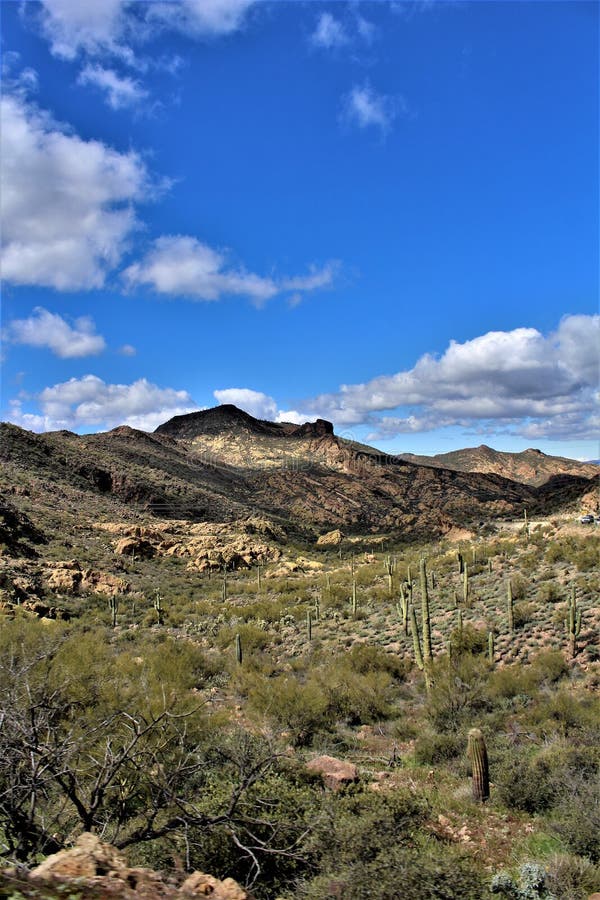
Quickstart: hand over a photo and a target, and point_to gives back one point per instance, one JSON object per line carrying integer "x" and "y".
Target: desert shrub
{"x": 427, "y": 870}
{"x": 549, "y": 778}
{"x": 586, "y": 559}
{"x": 365, "y": 658}
{"x": 571, "y": 877}
{"x": 565, "y": 713}
{"x": 300, "y": 708}
{"x": 252, "y": 637}
{"x": 549, "y": 667}
{"x": 577, "y": 814}
{"x": 458, "y": 692}
{"x": 519, "y": 587}
{"x": 355, "y": 698}
{"x": 529, "y": 562}
{"x": 550, "y": 592}
{"x": 433, "y": 749}
{"x": 531, "y": 883}
{"x": 526, "y": 784}
{"x": 511, "y": 681}
{"x": 468, "y": 639}
{"x": 522, "y": 613}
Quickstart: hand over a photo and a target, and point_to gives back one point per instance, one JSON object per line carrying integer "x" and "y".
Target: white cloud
{"x": 365, "y": 108}
{"x": 259, "y": 405}
{"x": 332, "y": 33}
{"x": 532, "y": 384}
{"x": 121, "y": 92}
{"x": 182, "y": 265}
{"x": 99, "y": 28}
{"x": 89, "y": 402}
{"x": 200, "y": 18}
{"x": 67, "y": 203}
{"x": 46, "y": 329}
{"x": 329, "y": 32}
{"x": 94, "y": 27}
{"x": 127, "y": 350}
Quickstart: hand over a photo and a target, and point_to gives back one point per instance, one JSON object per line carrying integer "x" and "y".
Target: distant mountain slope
{"x": 529, "y": 467}
{"x": 222, "y": 465}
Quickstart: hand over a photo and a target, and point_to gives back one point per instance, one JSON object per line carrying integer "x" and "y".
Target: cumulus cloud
{"x": 90, "y": 402}
{"x": 121, "y": 92}
{"x": 49, "y": 330}
{"x": 115, "y": 27}
{"x": 67, "y": 203}
{"x": 259, "y": 405}
{"x": 182, "y": 265}
{"x": 363, "y": 107}
{"x": 529, "y": 383}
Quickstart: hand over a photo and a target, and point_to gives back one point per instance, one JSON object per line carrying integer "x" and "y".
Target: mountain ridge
{"x": 530, "y": 466}
{"x": 229, "y": 465}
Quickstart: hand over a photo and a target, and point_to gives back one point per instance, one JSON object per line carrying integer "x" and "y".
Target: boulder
{"x": 200, "y": 885}
{"x": 336, "y": 773}
{"x": 331, "y": 539}
{"x": 88, "y": 858}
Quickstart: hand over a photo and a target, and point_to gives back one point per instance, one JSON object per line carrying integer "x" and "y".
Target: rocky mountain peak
{"x": 227, "y": 418}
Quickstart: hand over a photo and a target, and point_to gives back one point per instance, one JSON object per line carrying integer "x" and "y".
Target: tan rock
{"x": 200, "y": 885}
{"x": 133, "y": 546}
{"x": 88, "y": 858}
{"x": 336, "y": 773}
{"x": 331, "y": 539}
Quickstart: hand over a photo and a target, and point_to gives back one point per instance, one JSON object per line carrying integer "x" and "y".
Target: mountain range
{"x": 223, "y": 465}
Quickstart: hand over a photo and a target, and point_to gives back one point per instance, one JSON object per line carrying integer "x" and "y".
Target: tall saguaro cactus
{"x": 477, "y": 753}
{"x": 239, "y": 655}
{"x": 113, "y": 604}
{"x": 573, "y": 623}
{"x": 427, "y": 654}
{"x": 390, "y": 565}
{"x": 414, "y": 628}
{"x": 159, "y": 608}
{"x": 510, "y": 607}
{"x": 403, "y": 608}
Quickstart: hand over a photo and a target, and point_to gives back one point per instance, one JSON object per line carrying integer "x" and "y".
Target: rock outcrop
{"x": 336, "y": 773}
{"x": 104, "y": 870}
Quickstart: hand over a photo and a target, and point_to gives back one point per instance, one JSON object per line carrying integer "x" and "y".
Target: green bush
{"x": 458, "y": 692}
{"x": 522, "y": 613}
{"x": 434, "y": 749}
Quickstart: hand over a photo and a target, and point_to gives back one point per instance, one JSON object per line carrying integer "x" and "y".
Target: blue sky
{"x": 383, "y": 214}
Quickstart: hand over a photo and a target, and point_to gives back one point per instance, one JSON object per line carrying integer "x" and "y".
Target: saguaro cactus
{"x": 466, "y": 584}
{"x": 573, "y": 623}
{"x": 159, "y": 608}
{"x": 403, "y": 608}
{"x": 415, "y": 636}
{"x": 354, "y": 601}
{"x": 239, "y": 656}
{"x": 477, "y": 753}
{"x": 491, "y": 649}
{"x": 309, "y": 625}
{"x": 427, "y": 654}
{"x": 113, "y": 604}
{"x": 509, "y": 607}
{"x": 390, "y": 565}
